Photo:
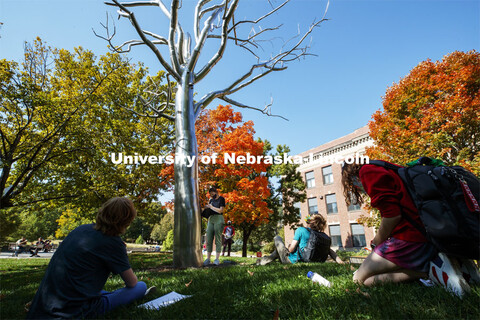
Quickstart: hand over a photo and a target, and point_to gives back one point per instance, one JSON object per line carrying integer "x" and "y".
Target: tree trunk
{"x": 246, "y": 231}
{"x": 187, "y": 220}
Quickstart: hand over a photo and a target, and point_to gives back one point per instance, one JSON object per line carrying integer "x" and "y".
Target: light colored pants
{"x": 280, "y": 252}
{"x": 215, "y": 226}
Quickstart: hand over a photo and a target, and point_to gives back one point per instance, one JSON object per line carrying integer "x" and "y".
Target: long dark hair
{"x": 350, "y": 182}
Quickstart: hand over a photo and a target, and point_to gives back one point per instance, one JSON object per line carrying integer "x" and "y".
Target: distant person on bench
{"x": 38, "y": 246}
{"x": 20, "y": 246}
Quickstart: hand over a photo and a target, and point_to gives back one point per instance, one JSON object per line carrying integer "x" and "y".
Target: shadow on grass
{"x": 247, "y": 291}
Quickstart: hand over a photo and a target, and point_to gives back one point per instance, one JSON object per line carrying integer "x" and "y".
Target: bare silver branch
{"x": 267, "y": 110}
{"x": 171, "y": 70}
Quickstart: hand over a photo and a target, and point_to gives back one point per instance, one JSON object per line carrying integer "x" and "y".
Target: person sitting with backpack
{"x": 309, "y": 245}
{"x": 400, "y": 252}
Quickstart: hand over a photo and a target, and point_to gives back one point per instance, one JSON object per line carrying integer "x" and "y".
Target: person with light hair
{"x": 73, "y": 283}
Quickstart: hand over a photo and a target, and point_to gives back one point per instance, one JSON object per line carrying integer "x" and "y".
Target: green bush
{"x": 268, "y": 247}
{"x": 237, "y": 245}
{"x": 168, "y": 243}
{"x": 344, "y": 255}
{"x": 140, "y": 240}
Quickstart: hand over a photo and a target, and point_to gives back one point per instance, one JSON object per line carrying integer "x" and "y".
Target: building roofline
{"x": 342, "y": 140}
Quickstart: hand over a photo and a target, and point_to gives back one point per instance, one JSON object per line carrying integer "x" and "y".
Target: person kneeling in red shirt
{"x": 400, "y": 252}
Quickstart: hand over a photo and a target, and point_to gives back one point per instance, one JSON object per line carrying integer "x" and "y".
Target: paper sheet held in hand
{"x": 164, "y": 301}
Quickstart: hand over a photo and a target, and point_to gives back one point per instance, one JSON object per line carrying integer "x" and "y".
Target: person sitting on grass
{"x": 77, "y": 272}
{"x": 300, "y": 240}
{"x": 20, "y": 246}
{"x": 37, "y": 247}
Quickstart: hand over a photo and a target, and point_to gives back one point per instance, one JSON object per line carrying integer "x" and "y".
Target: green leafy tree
{"x": 168, "y": 244}
{"x": 62, "y": 115}
{"x": 139, "y": 240}
{"x": 160, "y": 230}
{"x": 287, "y": 189}
{"x": 70, "y": 219}
{"x": 42, "y": 223}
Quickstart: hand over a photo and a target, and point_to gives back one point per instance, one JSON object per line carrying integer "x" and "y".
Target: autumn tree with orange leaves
{"x": 434, "y": 111}
{"x": 244, "y": 186}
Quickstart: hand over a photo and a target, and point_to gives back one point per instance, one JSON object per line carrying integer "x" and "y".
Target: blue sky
{"x": 363, "y": 48}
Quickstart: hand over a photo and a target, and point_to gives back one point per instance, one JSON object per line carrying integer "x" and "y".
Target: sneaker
{"x": 470, "y": 271}
{"x": 150, "y": 291}
{"x": 446, "y": 272}
{"x": 216, "y": 262}
{"x": 206, "y": 262}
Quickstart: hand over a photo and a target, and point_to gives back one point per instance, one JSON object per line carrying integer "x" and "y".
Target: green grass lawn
{"x": 247, "y": 291}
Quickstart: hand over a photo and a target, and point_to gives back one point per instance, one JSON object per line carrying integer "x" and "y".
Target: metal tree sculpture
{"x": 183, "y": 51}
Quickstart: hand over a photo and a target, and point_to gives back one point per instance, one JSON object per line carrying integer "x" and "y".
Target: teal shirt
{"x": 301, "y": 235}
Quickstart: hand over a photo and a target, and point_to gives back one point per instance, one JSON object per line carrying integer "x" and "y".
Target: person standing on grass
{"x": 228, "y": 233}
{"x": 73, "y": 283}
{"x": 300, "y": 239}
{"x": 215, "y": 225}
{"x": 400, "y": 252}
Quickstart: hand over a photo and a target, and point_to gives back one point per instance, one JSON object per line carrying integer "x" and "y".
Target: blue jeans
{"x": 19, "y": 250}
{"x": 123, "y": 296}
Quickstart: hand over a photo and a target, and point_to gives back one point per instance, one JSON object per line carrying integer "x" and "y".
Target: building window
{"x": 312, "y": 206}
{"x": 335, "y": 235}
{"x": 298, "y": 206}
{"x": 327, "y": 175}
{"x": 331, "y": 200}
{"x": 310, "y": 178}
{"x": 353, "y": 207}
{"x": 358, "y": 235}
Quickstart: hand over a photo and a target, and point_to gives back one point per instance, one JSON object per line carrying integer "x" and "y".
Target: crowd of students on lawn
{"x": 73, "y": 283}
{"x": 40, "y": 245}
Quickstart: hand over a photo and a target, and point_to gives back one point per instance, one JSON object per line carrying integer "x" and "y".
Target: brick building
{"x": 322, "y": 173}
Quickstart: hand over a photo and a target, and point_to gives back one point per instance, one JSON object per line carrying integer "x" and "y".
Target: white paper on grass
{"x": 164, "y": 301}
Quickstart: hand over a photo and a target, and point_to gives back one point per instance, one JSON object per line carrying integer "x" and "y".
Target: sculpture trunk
{"x": 187, "y": 219}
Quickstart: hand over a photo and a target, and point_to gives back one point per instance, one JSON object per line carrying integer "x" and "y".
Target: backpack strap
{"x": 299, "y": 254}
{"x": 385, "y": 164}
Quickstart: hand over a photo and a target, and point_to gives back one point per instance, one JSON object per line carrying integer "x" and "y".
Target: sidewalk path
{"x": 6, "y": 255}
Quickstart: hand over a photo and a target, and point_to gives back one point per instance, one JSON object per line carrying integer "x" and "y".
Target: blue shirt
{"x": 77, "y": 273}
{"x": 301, "y": 235}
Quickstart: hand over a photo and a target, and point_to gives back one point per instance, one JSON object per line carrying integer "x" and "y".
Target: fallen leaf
{"x": 2, "y": 296}
{"x": 250, "y": 272}
{"x": 187, "y": 284}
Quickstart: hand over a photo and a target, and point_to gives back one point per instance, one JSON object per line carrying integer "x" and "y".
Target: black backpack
{"x": 447, "y": 199}
{"x": 317, "y": 248}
